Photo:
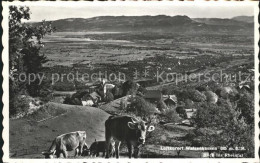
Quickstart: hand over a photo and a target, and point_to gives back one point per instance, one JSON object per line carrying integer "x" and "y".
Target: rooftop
{"x": 153, "y": 94}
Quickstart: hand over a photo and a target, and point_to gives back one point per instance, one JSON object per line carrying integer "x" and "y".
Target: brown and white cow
{"x": 128, "y": 129}
{"x": 73, "y": 141}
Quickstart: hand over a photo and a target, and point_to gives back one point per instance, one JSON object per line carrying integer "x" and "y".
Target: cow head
{"x": 86, "y": 150}
{"x": 49, "y": 154}
{"x": 141, "y": 128}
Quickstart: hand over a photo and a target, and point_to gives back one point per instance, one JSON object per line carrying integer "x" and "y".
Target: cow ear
{"x": 133, "y": 120}
{"x": 151, "y": 128}
{"x": 131, "y": 125}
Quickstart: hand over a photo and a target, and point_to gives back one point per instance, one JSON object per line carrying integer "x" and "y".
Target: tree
{"x": 109, "y": 96}
{"x": 117, "y": 91}
{"x": 172, "y": 116}
{"x": 162, "y": 106}
{"x": 211, "y": 97}
{"x": 142, "y": 108}
{"x": 246, "y": 106}
{"x": 220, "y": 126}
{"x": 195, "y": 95}
{"x": 24, "y": 57}
{"x": 181, "y": 111}
{"x": 129, "y": 87}
{"x": 123, "y": 104}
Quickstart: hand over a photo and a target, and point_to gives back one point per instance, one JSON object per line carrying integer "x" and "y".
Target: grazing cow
{"x": 67, "y": 142}
{"x": 85, "y": 150}
{"x": 124, "y": 128}
{"x": 100, "y": 146}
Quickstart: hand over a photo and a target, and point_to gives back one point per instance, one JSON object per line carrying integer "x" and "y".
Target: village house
{"x": 153, "y": 96}
{"x": 170, "y": 100}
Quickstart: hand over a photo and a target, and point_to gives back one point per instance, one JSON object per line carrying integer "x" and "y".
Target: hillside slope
{"x": 28, "y": 137}
{"x": 113, "y": 107}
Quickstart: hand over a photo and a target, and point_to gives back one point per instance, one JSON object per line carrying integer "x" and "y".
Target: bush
{"x": 228, "y": 93}
{"x": 46, "y": 95}
{"x": 141, "y": 107}
{"x": 123, "y": 104}
{"x": 246, "y": 106}
{"x": 79, "y": 94}
{"x": 196, "y": 96}
{"x": 182, "y": 95}
{"x": 189, "y": 104}
{"x": 162, "y": 106}
{"x": 202, "y": 88}
{"x": 21, "y": 104}
{"x": 211, "y": 97}
{"x": 212, "y": 115}
{"x": 72, "y": 100}
{"x": 172, "y": 116}
{"x": 213, "y": 86}
{"x": 129, "y": 87}
{"x": 67, "y": 100}
{"x": 141, "y": 90}
{"x": 117, "y": 91}
{"x": 64, "y": 86}
{"x": 109, "y": 96}
{"x": 181, "y": 111}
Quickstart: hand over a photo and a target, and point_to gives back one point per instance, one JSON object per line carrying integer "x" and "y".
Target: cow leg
{"x": 80, "y": 150}
{"x": 113, "y": 150}
{"x": 136, "y": 151}
{"x": 80, "y": 147}
{"x": 58, "y": 154}
{"x": 129, "y": 146}
{"x": 108, "y": 141}
{"x": 97, "y": 155}
{"x": 117, "y": 145}
{"x": 65, "y": 155}
{"x": 104, "y": 153}
{"x": 76, "y": 152}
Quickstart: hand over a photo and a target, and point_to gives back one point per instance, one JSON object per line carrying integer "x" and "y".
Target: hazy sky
{"x": 88, "y": 10}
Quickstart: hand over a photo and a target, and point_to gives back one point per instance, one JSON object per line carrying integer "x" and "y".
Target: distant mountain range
{"x": 160, "y": 23}
{"x": 247, "y": 19}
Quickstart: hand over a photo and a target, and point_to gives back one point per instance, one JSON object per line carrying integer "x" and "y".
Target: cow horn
{"x": 133, "y": 120}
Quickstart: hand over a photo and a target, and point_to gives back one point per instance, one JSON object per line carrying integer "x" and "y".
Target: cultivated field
{"x": 66, "y": 48}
